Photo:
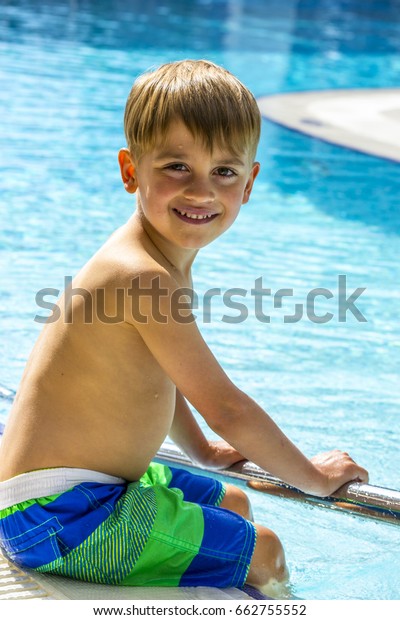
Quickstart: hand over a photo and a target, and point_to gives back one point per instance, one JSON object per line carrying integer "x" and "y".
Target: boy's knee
{"x": 236, "y": 500}
{"x": 268, "y": 565}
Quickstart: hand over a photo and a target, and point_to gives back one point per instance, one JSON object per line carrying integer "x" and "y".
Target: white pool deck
{"x": 16, "y": 584}
{"x": 366, "y": 120}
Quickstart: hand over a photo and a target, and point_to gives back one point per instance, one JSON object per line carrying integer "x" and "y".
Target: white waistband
{"x": 44, "y": 482}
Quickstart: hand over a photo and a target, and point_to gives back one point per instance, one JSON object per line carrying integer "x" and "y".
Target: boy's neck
{"x": 177, "y": 259}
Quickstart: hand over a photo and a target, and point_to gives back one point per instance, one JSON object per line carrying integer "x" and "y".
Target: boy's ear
{"x": 128, "y": 171}
{"x": 249, "y": 185}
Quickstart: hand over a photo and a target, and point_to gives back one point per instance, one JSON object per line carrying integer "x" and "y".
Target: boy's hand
{"x": 221, "y": 455}
{"x": 337, "y": 468}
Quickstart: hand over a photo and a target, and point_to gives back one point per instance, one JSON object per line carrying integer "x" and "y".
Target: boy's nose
{"x": 199, "y": 190}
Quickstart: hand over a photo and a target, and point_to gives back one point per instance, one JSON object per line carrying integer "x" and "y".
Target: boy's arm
{"x": 179, "y": 348}
{"x": 187, "y": 434}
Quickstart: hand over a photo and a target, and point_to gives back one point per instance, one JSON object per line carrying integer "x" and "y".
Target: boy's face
{"x": 189, "y": 195}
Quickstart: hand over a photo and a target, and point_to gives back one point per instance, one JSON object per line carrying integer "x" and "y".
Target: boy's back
{"x": 93, "y": 396}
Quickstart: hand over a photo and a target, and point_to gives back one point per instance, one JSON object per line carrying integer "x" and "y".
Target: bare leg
{"x": 268, "y": 570}
{"x": 236, "y": 500}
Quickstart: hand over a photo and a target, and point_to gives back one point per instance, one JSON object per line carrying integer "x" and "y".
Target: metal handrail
{"x": 356, "y": 497}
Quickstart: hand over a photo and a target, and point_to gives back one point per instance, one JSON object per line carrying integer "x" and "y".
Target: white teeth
{"x": 192, "y": 216}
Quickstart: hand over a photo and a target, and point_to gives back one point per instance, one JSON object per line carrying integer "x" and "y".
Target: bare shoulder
{"x": 124, "y": 257}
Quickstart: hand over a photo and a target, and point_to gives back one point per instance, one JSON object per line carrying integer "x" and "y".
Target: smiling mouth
{"x": 195, "y": 218}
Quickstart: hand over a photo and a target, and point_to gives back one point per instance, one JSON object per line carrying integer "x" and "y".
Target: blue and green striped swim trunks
{"x": 164, "y": 530}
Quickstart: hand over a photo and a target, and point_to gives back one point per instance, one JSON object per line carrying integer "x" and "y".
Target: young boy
{"x": 113, "y": 369}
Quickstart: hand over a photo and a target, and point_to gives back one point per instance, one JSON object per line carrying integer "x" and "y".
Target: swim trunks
{"x": 164, "y": 530}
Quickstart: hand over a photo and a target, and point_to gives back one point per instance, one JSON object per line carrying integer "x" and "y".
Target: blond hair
{"x": 213, "y": 104}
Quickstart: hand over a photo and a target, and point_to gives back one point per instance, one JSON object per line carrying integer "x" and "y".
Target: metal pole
{"x": 355, "y": 497}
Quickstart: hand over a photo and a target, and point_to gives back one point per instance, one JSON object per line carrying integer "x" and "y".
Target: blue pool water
{"x": 317, "y": 211}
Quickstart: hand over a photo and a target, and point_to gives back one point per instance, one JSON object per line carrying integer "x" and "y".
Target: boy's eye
{"x": 225, "y": 172}
{"x": 178, "y": 167}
